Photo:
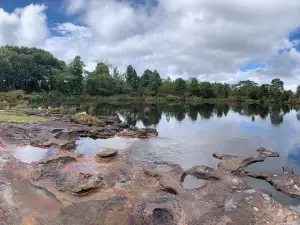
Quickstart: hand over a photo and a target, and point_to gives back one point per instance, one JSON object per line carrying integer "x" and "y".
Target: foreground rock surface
{"x": 71, "y": 189}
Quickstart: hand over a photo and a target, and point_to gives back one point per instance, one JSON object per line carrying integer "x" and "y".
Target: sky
{"x": 213, "y": 40}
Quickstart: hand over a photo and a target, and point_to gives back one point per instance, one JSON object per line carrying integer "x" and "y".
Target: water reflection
{"x": 30, "y": 154}
{"x": 151, "y": 114}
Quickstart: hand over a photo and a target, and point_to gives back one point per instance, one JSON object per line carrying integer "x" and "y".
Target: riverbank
{"x": 61, "y": 186}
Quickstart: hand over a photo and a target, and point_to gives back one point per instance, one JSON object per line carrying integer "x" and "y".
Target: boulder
{"x": 109, "y": 152}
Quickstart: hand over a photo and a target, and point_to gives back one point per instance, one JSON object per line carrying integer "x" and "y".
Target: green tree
{"x": 132, "y": 78}
{"x": 194, "y": 87}
{"x": 276, "y": 88}
{"x": 206, "y": 90}
{"x": 155, "y": 82}
{"x": 145, "y": 78}
{"x": 180, "y": 86}
{"x": 76, "y": 67}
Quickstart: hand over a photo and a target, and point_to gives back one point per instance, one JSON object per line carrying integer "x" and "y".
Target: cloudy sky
{"x": 214, "y": 40}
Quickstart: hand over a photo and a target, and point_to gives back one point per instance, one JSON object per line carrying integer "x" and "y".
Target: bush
{"x": 173, "y": 98}
{"x": 85, "y": 119}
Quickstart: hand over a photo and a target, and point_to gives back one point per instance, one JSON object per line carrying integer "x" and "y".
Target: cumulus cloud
{"x": 210, "y": 39}
{"x": 24, "y": 26}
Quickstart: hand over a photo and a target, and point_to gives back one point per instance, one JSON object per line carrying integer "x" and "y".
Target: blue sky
{"x": 211, "y": 40}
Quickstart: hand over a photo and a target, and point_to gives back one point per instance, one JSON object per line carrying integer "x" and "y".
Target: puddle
{"x": 88, "y": 146}
{"x": 191, "y": 182}
{"x": 30, "y": 154}
{"x": 163, "y": 168}
{"x": 277, "y": 195}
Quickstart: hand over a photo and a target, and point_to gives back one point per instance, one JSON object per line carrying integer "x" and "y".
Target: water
{"x": 190, "y": 134}
{"x": 30, "y": 154}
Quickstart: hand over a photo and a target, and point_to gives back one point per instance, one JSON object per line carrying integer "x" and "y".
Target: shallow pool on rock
{"x": 30, "y": 154}
{"x": 88, "y": 146}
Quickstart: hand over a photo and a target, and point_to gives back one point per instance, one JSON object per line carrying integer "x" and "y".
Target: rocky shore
{"x": 110, "y": 189}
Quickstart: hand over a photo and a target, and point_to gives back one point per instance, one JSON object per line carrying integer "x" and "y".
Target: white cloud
{"x": 26, "y": 26}
{"x": 210, "y": 39}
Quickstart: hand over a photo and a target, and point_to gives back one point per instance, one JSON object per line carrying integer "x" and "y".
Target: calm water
{"x": 188, "y": 135}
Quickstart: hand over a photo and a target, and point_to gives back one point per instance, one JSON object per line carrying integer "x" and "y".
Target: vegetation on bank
{"x": 13, "y": 117}
{"x": 45, "y": 79}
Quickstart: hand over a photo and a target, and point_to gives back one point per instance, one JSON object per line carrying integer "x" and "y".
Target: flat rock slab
{"x": 239, "y": 163}
{"x": 286, "y": 182}
{"x": 77, "y": 183}
{"x": 109, "y": 152}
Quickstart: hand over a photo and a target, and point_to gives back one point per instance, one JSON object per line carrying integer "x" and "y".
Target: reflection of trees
{"x": 276, "y": 116}
{"x": 206, "y": 110}
{"x": 298, "y": 115}
{"x": 193, "y": 112}
{"x": 151, "y": 114}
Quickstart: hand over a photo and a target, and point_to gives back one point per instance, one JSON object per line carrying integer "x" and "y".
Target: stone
{"x": 109, "y": 152}
{"x": 237, "y": 164}
{"x": 77, "y": 183}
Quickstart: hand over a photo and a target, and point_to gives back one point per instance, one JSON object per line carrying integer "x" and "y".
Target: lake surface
{"x": 190, "y": 134}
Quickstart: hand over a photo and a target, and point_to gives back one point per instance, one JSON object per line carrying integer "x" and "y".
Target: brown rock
{"x": 109, "y": 152}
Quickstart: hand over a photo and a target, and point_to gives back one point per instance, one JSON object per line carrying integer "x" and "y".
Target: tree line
{"x": 36, "y": 70}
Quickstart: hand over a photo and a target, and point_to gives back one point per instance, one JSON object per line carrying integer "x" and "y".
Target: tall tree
{"x": 180, "y": 86}
{"x": 194, "y": 87}
{"x": 131, "y": 77}
{"x": 155, "y": 82}
{"x": 76, "y": 67}
{"x": 276, "y": 87}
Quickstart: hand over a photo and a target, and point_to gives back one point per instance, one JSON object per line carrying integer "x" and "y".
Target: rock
{"x": 287, "y": 182}
{"x": 56, "y": 163}
{"x": 110, "y": 120}
{"x": 134, "y": 132}
{"x": 77, "y": 183}
{"x": 109, "y": 152}
{"x": 239, "y": 163}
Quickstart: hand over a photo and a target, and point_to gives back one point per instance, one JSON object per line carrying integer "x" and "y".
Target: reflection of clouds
{"x": 255, "y": 128}
{"x": 294, "y": 153}
{"x": 32, "y": 154}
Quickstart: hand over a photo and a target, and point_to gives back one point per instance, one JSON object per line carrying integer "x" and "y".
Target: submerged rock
{"x": 134, "y": 132}
{"x": 239, "y": 163}
{"x": 109, "y": 152}
{"x": 287, "y": 181}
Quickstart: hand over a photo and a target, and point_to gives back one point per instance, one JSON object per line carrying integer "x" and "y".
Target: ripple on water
{"x": 30, "y": 154}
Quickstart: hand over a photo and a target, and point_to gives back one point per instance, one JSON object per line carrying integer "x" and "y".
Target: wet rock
{"x": 56, "y": 163}
{"x": 239, "y": 163}
{"x": 101, "y": 212}
{"x": 109, "y": 152}
{"x": 287, "y": 181}
{"x": 110, "y": 120}
{"x": 134, "y": 132}
{"x": 77, "y": 183}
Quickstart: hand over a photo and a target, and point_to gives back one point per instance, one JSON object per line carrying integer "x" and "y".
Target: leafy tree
{"x": 155, "y": 82}
{"x": 194, "y": 87}
{"x": 276, "y": 88}
{"x": 206, "y": 90}
{"x": 145, "y": 78}
{"x": 131, "y": 77}
{"x": 76, "y": 67}
{"x": 180, "y": 86}
{"x": 168, "y": 86}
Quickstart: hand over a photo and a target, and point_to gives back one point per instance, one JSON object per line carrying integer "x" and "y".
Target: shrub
{"x": 173, "y": 98}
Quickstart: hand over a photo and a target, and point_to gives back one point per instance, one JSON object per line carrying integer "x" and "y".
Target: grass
{"x": 10, "y": 118}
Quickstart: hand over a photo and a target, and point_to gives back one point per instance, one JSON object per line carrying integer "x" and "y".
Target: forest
{"x": 37, "y": 71}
